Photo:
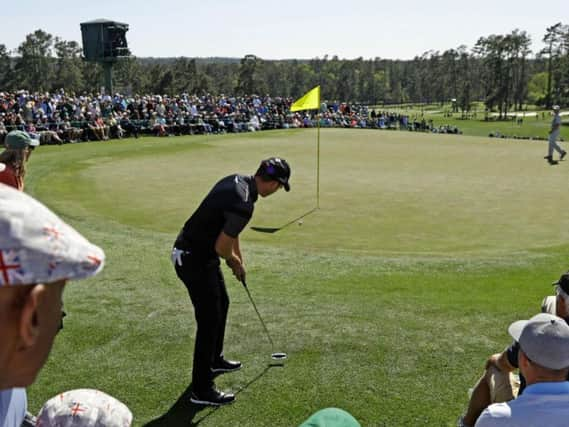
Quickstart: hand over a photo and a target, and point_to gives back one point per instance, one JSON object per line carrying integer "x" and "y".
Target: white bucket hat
{"x": 36, "y": 246}
{"x": 84, "y": 408}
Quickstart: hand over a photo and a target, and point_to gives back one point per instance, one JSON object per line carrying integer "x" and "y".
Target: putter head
{"x": 279, "y": 356}
{"x": 278, "y": 360}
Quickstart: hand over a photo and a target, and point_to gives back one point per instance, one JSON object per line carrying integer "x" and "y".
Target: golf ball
{"x": 299, "y": 222}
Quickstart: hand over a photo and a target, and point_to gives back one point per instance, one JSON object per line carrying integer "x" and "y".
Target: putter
{"x": 275, "y": 229}
{"x": 274, "y": 355}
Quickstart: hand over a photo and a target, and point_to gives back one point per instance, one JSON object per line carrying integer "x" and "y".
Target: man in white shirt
{"x": 553, "y": 135}
{"x": 543, "y": 359}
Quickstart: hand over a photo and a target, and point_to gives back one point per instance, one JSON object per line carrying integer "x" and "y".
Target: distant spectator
{"x": 158, "y": 128}
{"x": 96, "y": 132}
{"x": 19, "y": 146}
{"x": 60, "y": 117}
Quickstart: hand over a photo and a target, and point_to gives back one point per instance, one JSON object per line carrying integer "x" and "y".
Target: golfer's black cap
{"x": 563, "y": 282}
{"x": 276, "y": 169}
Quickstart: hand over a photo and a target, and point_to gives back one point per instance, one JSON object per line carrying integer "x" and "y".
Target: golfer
{"x": 210, "y": 233}
{"x": 553, "y": 135}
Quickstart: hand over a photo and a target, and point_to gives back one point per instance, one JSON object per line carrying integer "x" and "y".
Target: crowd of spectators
{"x": 60, "y": 118}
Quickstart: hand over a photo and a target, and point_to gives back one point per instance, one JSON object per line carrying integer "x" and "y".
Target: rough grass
{"x": 387, "y": 299}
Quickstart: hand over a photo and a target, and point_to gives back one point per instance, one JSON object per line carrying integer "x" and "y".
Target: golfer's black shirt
{"x": 228, "y": 207}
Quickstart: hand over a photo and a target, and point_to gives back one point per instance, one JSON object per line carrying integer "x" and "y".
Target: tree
{"x": 92, "y": 73}
{"x": 6, "y": 72}
{"x": 520, "y": 43}
{"x": 537, "y": 88}
{"x": 449, "y": 68}
{"x": 464, "y": 79}
{"x": 552, "y": 39}
{"x": 131, "y": 76}
{"x": 251, "y": 78}
{"x": 34, "y": 66}
{"x": 185, "y": 75}
{"x": 504, "y": 69}
{"x": 67, "y": 73}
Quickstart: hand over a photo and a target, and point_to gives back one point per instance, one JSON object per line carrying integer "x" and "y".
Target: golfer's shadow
{"x": 183, "y": 412}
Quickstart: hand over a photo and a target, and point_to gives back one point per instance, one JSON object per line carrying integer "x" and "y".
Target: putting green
{"x": 387, "y": 192}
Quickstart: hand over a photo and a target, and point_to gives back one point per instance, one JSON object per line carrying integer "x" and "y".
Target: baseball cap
{"x": 20, "y": 139}
{"x": 556, "y": 107}
{"x": 84, "y": 408}
{"x": 276, "y": 169}
{"x": 563, "y": 282}
{"x": 36, "y": 246}
{"x": 544, "y": 339}
{"x": 331, "y": 417}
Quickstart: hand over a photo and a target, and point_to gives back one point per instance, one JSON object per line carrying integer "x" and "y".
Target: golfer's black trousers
{"x": 206, "y": 286}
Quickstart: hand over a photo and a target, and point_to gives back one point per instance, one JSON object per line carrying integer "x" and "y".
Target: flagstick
{"x": 318, "y": 162}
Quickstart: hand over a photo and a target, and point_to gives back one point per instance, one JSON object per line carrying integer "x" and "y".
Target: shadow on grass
{"x": 183, "y": 412}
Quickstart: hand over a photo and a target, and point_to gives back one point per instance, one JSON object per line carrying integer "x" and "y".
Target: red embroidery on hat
{"x": 94, "y": 260}
{"x": 76, "y": 409}
{"x": 53, "y": 232}
{"x": 5, "y": 267}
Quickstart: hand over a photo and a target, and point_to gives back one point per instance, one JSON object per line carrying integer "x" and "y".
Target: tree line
{"x": 500, "y": 70}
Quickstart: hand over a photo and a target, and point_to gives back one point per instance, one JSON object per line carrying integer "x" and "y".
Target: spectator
{"x": 68, "y": 132}
{"x": 102, "y": 126}
{"x": 115, "y": 128}
{"x": 3, "y": 130}
{"x": 95, "y": 131}
{"x": 183, "y": 114}
{"x": 19, "y": 147}
{"x": 40, "y": 253}
{"x": 498, "y": 383}
{"x": 84, "y": 408}
{"x": 129, "y": 126}
{"x": 158, "y": 128}
{"x": 544, "y": 361}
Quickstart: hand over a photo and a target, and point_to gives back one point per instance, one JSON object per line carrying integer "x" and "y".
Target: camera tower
{"x": 105, "y": 42}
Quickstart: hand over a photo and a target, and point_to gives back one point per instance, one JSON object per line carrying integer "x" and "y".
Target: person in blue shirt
{"x": 499, "y": 383}
{"x": 13, "y": 404}
{"x": 543, "y": 359}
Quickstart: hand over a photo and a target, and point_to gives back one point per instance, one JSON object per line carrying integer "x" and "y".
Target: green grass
{"x": 534, "y": 127}
{"x": 387, "y": 299}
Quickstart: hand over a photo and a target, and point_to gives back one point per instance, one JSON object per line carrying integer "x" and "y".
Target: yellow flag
{"x": 310, "y": 101}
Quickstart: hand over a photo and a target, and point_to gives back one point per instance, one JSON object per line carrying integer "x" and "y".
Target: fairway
{"x": 387, "y": 299}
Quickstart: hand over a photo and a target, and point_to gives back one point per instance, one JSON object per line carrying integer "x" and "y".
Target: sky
{"x": 287, "y": 29}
